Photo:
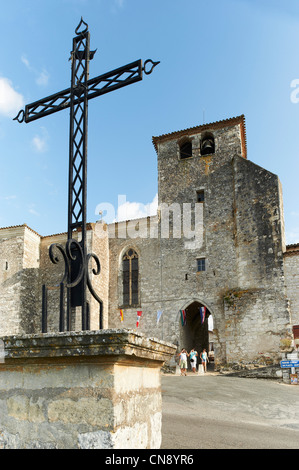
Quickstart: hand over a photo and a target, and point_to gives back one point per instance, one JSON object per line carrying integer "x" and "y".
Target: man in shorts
{"x": 183, "y": 361}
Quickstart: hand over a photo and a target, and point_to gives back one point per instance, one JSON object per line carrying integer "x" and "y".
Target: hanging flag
{"x": 138, "y": 318}
{"x": 202, "y": 314}
{"x": 183, "y": 317}
{"x": 159, "y": 314}
{"x": 121, "y": 315}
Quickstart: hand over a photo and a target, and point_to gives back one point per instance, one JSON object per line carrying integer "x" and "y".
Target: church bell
{"x": 207, "y": 146}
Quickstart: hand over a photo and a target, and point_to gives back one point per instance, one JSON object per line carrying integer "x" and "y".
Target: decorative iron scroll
{"x": 70, "y": 254}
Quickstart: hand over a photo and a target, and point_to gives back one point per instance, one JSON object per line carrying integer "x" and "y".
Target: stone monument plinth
{"x": 88, "y": 390}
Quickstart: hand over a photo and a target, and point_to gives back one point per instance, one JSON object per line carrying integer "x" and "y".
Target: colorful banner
{"x": 183, "y": 317}
{"x": 138, "y": 318}
{"x": 121, "y": 315}
{"x": 202, "y": 314}
{"x": 159, "y": 314}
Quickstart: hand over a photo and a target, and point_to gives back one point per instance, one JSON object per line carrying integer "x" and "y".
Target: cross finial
{"x": 79, "y": 26}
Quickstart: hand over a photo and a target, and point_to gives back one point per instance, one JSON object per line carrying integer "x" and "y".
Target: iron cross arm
{"x": 113, "y": 80}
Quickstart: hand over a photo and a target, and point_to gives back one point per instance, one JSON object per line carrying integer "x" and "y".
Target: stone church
{"x": 215, "y": 247}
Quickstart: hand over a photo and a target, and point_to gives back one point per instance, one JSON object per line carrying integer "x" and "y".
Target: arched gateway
{"x": 194, "y": 326}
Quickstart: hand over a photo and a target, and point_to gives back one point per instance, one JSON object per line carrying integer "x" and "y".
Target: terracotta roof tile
{"x": 292, "y": 250}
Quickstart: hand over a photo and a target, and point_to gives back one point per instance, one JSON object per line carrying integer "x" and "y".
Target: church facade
{"x": 215, "y": 250}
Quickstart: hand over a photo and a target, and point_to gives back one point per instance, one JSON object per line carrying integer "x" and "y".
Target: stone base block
{"x": 90, "y": 390}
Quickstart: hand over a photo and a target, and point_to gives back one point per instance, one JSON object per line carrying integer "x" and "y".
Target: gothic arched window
{"x": 130, "y": 278}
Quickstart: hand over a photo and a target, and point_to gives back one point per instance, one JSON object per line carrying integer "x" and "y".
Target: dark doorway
{"x": 195, "y": 332}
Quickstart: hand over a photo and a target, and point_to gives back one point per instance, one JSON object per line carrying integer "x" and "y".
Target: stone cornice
{"x": 100, "y": 345}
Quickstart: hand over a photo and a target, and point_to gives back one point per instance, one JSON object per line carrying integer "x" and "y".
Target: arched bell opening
{"x": 207, "y": 146}
{"x": 196, "y": 330}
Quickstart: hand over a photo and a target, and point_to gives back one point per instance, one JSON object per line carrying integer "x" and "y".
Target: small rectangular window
{"x": 200, "y": 196}
{"x": 201, "y": 264}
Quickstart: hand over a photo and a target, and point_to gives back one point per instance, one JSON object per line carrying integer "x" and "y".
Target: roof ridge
{"x": 21, "y": 225}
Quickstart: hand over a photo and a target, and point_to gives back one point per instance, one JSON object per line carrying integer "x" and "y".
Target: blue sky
{"x": 219, "y": 59}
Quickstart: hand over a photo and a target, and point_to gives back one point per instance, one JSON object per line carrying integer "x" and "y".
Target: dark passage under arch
{"x": 195, "y": 332}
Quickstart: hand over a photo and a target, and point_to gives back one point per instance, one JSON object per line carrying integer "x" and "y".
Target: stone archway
{"x": 195, "y": 333}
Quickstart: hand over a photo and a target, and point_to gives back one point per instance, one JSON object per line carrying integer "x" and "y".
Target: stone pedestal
{"x": 97, "y": 390}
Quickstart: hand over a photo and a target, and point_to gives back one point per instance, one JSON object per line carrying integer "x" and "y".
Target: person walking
{"x": 204, "y": 359}
{"x": 193, "y": 359}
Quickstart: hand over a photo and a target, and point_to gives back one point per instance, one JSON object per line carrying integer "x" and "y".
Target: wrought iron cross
{"x": 76, "y": 275}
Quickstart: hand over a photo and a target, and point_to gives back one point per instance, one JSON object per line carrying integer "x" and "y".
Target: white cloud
{"x": 32, "y": 211}
{"x": 10, "y": 100}
{"x": 42, "y": 78}
{"x": 117, "y": 5}
{"x": 9, "y": 198}
{"x": 135, "y": 210}
{"x": 292, "y": 236}
{"x": 26, "y": 62}
{"x": 39, "y": 142}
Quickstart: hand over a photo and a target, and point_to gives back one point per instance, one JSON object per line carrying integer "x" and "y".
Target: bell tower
{"x": 187, "y": 159}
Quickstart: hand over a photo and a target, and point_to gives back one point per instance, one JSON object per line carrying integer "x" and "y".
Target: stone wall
{"x": 19, "y": 271}
{"x": 149, "y": 253}
{"x": 253, "y": 326}
{"x": 291, "y": 266}
{"x": 51, "y": 275}
{"x": 260, "y": 315}
{"x": 11, "y": 254}
{"x": 100, "y": 246}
